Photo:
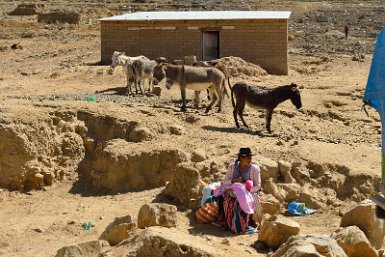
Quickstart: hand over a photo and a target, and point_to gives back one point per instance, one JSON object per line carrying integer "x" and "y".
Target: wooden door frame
{"x": 218, "y": 42}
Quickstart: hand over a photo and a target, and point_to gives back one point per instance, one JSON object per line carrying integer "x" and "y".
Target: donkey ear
{"x": 293, "y": 85}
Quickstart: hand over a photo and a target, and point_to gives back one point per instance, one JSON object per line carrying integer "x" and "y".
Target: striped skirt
{"x": 236, "y": 219}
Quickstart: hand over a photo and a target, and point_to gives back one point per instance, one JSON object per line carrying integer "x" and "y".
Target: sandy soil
{"x": 56, "y": 65}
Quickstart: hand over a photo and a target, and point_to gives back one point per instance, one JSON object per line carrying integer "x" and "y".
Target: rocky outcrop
{"x": 160, "y": 241}
{"x": 91, "y": 248}
{"x": 39, "y": 149}
{"x": 354, "y": 242}
{"x": 313, "y": 245}
{"x": 157, "y": 214}
{"x": 118, "y": 230}
{"x": 185, "y": 185}
{"x": 275, "y": 230}
{"x": 120, "y": 166}
{"x": 364, "y": 217}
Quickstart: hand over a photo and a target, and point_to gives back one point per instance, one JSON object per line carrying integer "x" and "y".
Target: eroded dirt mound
{"x": 27, "y": 9}
{"x": 236, "y": 66}
{"x": 59, "y": 16}
{"x": 121, "y": 166}
{"x": 37, "y": 149}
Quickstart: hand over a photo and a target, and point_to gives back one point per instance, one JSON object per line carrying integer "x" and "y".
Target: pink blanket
{"x": 244, "y": 197}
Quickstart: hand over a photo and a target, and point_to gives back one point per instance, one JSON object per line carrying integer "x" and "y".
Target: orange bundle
{"x": 207, "y": 213}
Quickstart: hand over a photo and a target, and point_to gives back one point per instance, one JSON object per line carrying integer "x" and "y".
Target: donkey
{"x": 121, "y": 59}
{"x": 259, "y": 97}
{"x": 144, "y": 69}
{"x": 194, "y": 78}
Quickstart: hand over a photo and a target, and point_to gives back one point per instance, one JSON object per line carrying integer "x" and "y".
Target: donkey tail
{"x": 224, "y": 89}
{"x": 232, "y": 96}
{"x": 228, "y": 83}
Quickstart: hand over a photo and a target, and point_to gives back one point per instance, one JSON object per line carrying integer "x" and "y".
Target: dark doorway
{"x": 210, "y": 45}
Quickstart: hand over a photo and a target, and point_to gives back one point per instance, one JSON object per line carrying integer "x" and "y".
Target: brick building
{"x": 258, "y": 37}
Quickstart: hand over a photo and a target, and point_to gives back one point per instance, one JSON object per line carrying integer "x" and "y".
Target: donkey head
{"x": 159, "y": 73}
{"x": 295, "y": 96}
{"x": 115, "y": 58}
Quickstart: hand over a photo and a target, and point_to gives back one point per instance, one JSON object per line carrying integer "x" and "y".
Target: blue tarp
{"x": 375, "y": 89}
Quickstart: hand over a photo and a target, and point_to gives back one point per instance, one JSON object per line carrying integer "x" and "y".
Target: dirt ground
{"x": 55, "y": 66}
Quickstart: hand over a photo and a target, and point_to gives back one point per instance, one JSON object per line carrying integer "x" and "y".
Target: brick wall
{"x": 262, "y": 42}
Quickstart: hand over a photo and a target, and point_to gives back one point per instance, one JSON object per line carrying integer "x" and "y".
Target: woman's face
{"x": 245, "y": 160}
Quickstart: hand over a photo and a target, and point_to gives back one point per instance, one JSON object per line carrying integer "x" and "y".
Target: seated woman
{"x": 237, "y": 201}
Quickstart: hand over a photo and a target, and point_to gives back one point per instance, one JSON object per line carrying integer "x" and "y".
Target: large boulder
{"x": 275, "y": 230}
{"x": 308, "y": 246}
{"x": 364, "y": 217}
{"x": 119, "y": 230}
{"x": 157, "y": 214}
{"x": 91, "y": 248}
{"x": 186, "y": 185}
{"x": 354, "y": 242}
{"x": 269, "y": 169}
{"x": 270, "y": 205}
{"x": 160, "y": 241}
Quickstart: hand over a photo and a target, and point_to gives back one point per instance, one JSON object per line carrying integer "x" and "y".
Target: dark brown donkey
{"x": 262, "y": 98}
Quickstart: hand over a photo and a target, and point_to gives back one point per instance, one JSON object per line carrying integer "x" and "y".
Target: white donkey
{"x": 121, "y": 59}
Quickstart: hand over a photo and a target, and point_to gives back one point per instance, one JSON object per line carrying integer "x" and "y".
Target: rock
{"x": 364, "y": 217}
{"x": 270, "y": 187}
{"x": 312, "y": 198}
{"x": 89, "y": 144}
{"x": 310, "y": 245}
{"x": 140, "y": 134}
{"x": 198, "y": 155}
{"x": 185, "y": 185}
{"x": 269, "y": 169}
{"x": 120, "y": 167}
{"x": 354, "y": 242}
{"x": 176, "y": 130}
{"x": 118, "y": 230}
{"x": 191, "y": 119}
{"x": 270, "y": 205}
{"x": 91, "y": 248}
{"x": 284, "y": 169}
{"x": 301, "y": 175}
{"x": 160, "y": 241}
{"x": 292, "y": 190}
{"x": 157, "y": 214}
{"x": 275, "y": 230}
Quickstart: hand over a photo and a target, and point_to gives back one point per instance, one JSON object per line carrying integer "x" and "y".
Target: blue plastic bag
{"x": 299, "y": 209}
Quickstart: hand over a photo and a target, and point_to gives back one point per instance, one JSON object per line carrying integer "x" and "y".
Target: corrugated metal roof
{"x": 200, "y": 15}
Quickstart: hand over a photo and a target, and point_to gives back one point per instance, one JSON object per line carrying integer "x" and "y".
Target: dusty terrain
{"x": 52, "y": 69}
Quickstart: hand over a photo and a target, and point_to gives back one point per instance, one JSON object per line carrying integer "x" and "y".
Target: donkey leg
{"x": 239, "y": 107}
{"x": 213, "y": 100}
{"x": 128, "y": 87}
{"x": 235, "y": 114}
{"x": 269, "y": 114}
{"x": 220, "y": 97}
{"x": 183, "y": 95}
{"x": 196, "y": 98}
{"x": 137, "y": 87}
{"x": 242, "y": 119}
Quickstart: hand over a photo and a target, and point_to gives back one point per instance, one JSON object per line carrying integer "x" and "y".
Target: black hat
{"x": 246, "y": 151}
